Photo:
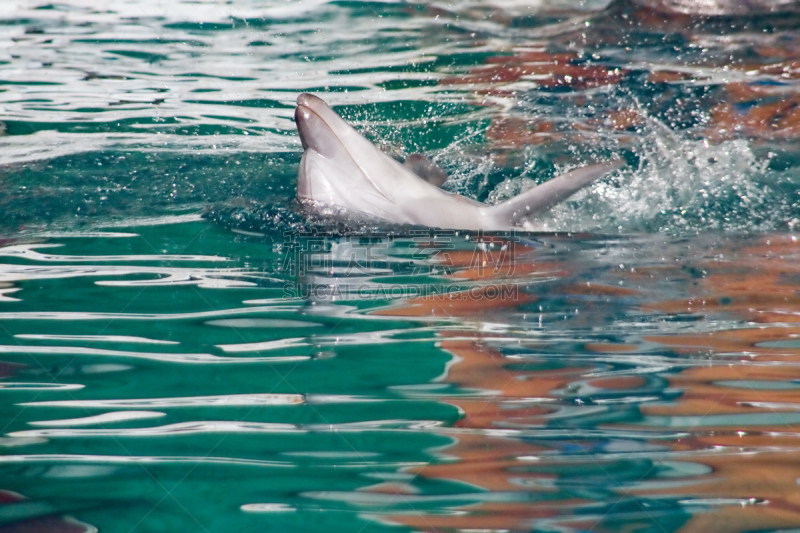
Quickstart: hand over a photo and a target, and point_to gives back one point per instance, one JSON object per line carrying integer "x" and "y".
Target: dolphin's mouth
{"x": 303, "y": 116}
{"x": 315, "y": 133}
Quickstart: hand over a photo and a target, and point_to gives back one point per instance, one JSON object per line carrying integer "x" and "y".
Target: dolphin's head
{"x": 326, "y": 162}
{"x": 342, "y": 168}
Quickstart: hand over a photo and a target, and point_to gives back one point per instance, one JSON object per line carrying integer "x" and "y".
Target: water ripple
{"x": 105, "y": 418}
{"x": 195, "y": 401}
{"x": 193, "y": 358}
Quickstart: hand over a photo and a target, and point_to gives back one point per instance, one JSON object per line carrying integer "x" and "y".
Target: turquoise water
{"x": 184, "y": 348}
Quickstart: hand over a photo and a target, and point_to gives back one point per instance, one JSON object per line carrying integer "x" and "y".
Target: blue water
{"x": 183, "y": 347}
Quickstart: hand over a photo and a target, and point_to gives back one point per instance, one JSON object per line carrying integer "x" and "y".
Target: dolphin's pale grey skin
{"x": 342, "y": 169}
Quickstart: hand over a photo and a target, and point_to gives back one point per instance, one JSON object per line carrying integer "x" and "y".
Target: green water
{"x": 184, "y": 348}
{"x": 222, "y": 429}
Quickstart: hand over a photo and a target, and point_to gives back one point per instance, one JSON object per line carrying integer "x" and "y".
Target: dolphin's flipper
{"x": 426, "y": 169}
{"x": 532, "y": 202}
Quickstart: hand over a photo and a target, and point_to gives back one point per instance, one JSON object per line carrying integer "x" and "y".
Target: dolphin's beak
{"x": 305, "y": 118}
{"x": 302, "y": 116}
{"x": 315, "y": 132}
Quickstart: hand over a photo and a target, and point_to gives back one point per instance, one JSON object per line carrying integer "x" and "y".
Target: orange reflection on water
{"x": 729, "y": 403}
{"x": 751, "y": 370}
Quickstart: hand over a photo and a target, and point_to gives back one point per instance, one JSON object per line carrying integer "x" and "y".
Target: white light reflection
{"x": 267, "y": 508}
{"x": 94, "y": 338}
{"x": 168, "y": 357}
{"x": 26, "y": 251}
{"x": 105, "y": 418}
{"x": 186, "y": 401}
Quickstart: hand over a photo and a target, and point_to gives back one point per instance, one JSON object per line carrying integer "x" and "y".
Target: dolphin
{"x": 342, "y": 169}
